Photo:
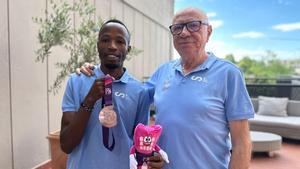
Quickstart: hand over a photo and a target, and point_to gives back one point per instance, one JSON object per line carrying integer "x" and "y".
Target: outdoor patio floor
{"x": 286, "y": 158}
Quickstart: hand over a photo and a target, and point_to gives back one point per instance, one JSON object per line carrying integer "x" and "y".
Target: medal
{"x": 107, "y": 115}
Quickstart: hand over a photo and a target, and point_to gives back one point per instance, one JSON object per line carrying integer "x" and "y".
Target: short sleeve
{"x": 68, "y": 102}
{"x": 238, "y": 105}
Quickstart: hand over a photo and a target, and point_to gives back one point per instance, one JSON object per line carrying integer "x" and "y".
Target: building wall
{"x": 27, "y": 111}
{"x": 5, "y": 109}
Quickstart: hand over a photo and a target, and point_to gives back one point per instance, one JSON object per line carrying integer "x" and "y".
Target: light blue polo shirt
{"x": 131, "y": 102}
{"x": 194, "y": 111}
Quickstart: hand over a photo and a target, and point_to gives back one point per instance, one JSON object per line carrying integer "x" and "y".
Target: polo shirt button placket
{"x": 183, "y": 79}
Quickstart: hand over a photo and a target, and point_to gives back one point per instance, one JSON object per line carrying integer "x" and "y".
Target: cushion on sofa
{"x": 293, "y": 108}
{"x": 272, "y": 106}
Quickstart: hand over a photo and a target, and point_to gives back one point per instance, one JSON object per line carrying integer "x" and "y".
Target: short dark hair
{"x": 119, "y": 22}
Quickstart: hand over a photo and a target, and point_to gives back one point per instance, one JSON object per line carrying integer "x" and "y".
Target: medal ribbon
{"x": 107, "y": 101}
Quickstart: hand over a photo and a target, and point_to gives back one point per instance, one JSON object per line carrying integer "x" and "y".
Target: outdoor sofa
{"x": 286, "y": 125}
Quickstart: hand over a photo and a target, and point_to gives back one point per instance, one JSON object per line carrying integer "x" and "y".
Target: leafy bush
{"x": 57, "y": 29}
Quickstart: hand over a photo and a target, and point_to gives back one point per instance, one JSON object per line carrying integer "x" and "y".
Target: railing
{"x": 285, "y": 87}
{"x": 285, "y": 80}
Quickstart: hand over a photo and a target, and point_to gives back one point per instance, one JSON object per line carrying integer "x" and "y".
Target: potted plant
{"x": 58, "y": 157}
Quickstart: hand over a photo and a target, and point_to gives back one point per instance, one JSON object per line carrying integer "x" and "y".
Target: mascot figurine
{"x": 145, "y": 138}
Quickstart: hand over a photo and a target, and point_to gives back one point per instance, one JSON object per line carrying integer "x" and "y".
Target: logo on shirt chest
{"x": 166, "y": 85}
{"x": 199, "y": 79}
{"x": 121, "y": 95}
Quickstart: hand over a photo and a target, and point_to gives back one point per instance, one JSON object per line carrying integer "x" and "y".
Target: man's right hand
{"x": 86, "y": 68}
{"x": 96, "y": 92}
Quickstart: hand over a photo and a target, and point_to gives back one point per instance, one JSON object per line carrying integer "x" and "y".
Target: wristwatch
{"x": 86, "y": 108}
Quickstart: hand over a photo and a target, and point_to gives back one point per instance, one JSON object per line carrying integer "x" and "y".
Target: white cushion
{"x": 272, "y": 106}
{"x": 275, "y": 121}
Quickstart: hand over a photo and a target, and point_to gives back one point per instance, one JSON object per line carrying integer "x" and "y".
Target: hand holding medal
{"x": 107, "y": 115}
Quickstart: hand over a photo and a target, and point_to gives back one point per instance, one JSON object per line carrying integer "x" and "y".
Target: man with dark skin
{"x": 81, "y": 134}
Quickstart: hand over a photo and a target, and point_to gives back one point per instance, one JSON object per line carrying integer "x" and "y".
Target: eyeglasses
{"x": 192, "y": 26}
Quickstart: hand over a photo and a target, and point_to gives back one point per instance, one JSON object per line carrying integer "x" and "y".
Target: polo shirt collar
{"x": 124, "y": 78}
{"x": 211, "y": 58}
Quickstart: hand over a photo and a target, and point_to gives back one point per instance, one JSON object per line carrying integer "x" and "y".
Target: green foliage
{"x": 246, "y": 64}
{"x": 270, "y": 67}
{"x": 57, "y": 29}
{"x": 230, "y": 57}
{"x": 133, "y": 52}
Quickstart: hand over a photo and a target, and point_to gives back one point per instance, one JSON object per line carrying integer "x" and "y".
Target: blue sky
{"x": 251, "y": 27}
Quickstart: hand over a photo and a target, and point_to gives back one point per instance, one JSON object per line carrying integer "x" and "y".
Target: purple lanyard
{"x": 107, "y": 101}
{"x": 108, "y": 90}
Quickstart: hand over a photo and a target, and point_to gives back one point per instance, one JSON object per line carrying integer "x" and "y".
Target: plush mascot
{"x": 145, "y": 138}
